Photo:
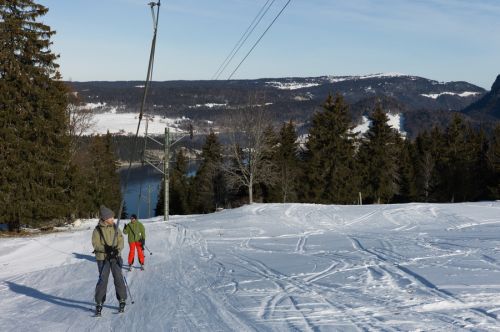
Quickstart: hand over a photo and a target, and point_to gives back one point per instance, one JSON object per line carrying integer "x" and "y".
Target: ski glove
{"x": 111, "y": 252}
{"x": 143, "y": 243}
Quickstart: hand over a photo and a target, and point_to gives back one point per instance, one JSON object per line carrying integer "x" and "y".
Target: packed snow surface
{"x": 272, "y": 267}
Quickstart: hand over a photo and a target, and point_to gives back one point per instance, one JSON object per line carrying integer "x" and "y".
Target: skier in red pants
{"x": 136, "y": 240}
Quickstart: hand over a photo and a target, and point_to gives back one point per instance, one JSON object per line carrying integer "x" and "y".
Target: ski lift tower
{"x": 162, "y": 164}
{"x": 159, "y": 163}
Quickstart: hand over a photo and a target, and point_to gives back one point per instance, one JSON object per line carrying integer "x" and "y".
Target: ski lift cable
{"x": 254, "y": 45}
{"x": 146, "y": 86}
{"x": 233, "y": 52}
{"x": 241, "y": 45}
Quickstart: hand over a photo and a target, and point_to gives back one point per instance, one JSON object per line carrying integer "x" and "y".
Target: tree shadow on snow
{"x": 36, "y": 294}
{"x": 84, "y": 257}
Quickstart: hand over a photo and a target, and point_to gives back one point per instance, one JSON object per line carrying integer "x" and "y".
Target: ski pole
{"x": 120, "y": 264}
{"x": 128, "y": 288}
{"x": 150, "y": 253}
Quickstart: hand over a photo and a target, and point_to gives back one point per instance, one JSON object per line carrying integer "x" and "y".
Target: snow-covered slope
{"x": 395, "y": 121}
{"x": 273, "y": 267}
{"x": 126, "y": 124}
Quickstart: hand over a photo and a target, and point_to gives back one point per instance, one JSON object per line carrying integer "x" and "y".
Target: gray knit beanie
{"x": 106, "y": 213}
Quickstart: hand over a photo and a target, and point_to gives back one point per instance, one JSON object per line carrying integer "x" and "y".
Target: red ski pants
{"x": 135, "y": 245}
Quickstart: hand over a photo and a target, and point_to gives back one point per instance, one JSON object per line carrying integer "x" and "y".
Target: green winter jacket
{"x": 135, "y": 231}
{"x": 108, "y": 231}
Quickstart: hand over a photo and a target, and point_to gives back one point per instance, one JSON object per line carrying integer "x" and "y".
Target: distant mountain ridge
{"x": 421, "y": 100}
{"x": 488, "y": 107}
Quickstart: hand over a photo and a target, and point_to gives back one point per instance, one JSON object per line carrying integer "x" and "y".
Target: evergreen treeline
{"x": 43, "y": 181}
{"x": 50, "y": 175}
{"x": 337, "y": 166}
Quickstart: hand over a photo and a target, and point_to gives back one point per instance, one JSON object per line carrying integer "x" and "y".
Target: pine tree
{"x": 112, "y": 195}
{"x": 34, "y": 142}
{"x": 208, "y": 185}
{"x": 457, "y": 160}
{"x": 286, "y": 159}
{"x": 407, "y": 172}
{"x": 178, "y": 193}
{"x": 478, "y": 172}
{"x": 265, "y": 191}
{"x": 494, "y": 164}
{"x": 330, "y": 157}
{"x": 99, "y": 181}
{"x": 429, "y": 153}
{"x": 378, "y": 155}
{"x": 160, "y": 203}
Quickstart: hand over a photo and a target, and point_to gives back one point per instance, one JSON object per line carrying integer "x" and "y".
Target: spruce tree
{"x": 178, "y": 191}
{"x": 494, "y": 164}
{"x": 429, "y": 154}
{"x": 208, "y": 185}
{"x": 287, "y": 162}
{"x": 331, "y": 174}
{"x": 378, "y": 155}
{"x": 456, "y": 163}
{"x": 160, "y": 203}
{"x": 478, "y": 172}
{"x": 34, "y": 142}
{"x": 99, "y": 169}
{"x": 266, "y": 190}
{"x": 407, "y": 172}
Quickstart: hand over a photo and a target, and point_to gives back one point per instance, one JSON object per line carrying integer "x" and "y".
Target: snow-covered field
{"x": 463, "y": 94}
{"x": 273, "y": 267}
{"x": 396, "y": 121}
{"x": 126, "y": 124}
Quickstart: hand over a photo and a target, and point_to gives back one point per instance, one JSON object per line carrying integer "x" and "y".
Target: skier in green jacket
{"x": 136, "y": 240}
{"x": 107, "y": 241}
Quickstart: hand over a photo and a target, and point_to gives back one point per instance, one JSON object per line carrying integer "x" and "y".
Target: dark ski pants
{"x": 115, "y": 265}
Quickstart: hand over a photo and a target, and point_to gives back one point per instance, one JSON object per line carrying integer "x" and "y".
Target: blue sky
{"x": 445, "y": 40}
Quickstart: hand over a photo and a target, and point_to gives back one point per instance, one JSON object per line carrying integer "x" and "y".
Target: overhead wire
{"x": 255, "y": 44}
{"x": 141, "y": 113}
{"x": 255, "y": 22}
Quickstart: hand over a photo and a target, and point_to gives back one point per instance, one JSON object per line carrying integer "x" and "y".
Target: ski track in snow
{"x": 272, "y": 267}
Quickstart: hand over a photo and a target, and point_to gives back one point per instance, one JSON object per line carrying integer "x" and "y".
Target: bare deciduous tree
{"x": 81, "y": 119}
{"x": 248, "y": 149}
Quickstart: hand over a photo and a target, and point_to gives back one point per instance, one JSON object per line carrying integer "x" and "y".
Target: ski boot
{"x": 98, "y": 310}
{"x": 142, "y": 267}
{"x": 121, "y": 308}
